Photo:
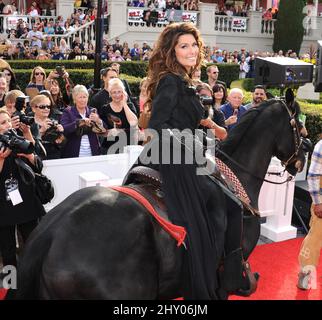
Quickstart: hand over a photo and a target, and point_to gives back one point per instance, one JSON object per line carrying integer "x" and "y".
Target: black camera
{"x": 60, "y": 70}
{"x": 206, "y": 101}
{"x": 17, "y": 144}
{"x": 20, "y": 105}
{"x": 52, "y": 133}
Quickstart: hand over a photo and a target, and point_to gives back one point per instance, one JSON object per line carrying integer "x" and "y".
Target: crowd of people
{"x": 82, "y": 123}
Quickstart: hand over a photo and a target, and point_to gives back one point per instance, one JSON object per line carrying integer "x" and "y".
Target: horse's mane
{"x": 237, "y": 133}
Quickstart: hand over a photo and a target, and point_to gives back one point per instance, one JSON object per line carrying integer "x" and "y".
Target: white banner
{"x": 239, "y": 24}
{"x": 139, "y": 15}
{"x": 12, "y": 21}
{"x": 135, "y": 15}
{"x": 188, "y": 16}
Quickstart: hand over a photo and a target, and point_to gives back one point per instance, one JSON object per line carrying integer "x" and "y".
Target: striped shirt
{"x": 315, "y": 174}
{"x": 85, "y": 147}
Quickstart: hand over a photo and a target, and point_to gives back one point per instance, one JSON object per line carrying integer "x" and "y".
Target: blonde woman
{"x": 117, "y": 115}
{"x": 80, "y": 143}
{"x": 37, "y": 80}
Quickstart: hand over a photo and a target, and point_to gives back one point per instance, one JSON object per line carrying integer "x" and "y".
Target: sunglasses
{"x": 38, "y": 73}
{"x": 42, "y": 107}
{"x": 215, "y": 72}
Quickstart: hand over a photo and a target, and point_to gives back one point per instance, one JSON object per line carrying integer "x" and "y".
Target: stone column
{"x": 254, "y": 5}
{"x": 254, "y": 23}
{"x": 118, "y": 21}
{"x": 207, "y": 18}
{"x": 64, "y": 8}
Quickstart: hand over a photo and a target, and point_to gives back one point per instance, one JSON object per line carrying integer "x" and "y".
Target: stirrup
{"x": 304, "y": 280}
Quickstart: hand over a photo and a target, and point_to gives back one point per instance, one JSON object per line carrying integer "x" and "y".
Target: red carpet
{"x": 278, "y": 267}
{"x": 2, "y": 293}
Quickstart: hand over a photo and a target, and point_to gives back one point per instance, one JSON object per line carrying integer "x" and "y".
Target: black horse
{"x": 102, "y": 244}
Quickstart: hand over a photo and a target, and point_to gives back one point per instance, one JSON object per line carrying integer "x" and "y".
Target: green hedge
{"x": 134, "y": 68}
{"x": 227, "y": 72}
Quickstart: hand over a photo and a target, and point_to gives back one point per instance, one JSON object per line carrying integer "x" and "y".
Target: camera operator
{"x": 10, "y": 106}
{"x": 19, "y": 205}
{"x": 52, "y": 84}
{"x": 214, "y": 119}
{"x": 51, "y": 132}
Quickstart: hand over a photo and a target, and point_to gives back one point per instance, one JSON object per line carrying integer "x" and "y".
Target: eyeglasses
{"x": 39, "y": 73}
{"x": 42, "y": 107}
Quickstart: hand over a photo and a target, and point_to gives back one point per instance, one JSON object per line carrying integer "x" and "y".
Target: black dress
{"x": 117, "y": 120}
{"x": 188, "y": 195}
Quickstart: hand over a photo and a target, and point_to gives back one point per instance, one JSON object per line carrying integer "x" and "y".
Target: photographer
{"x": 51, "y": 132}
{"x": 214, "y": 119}
{"x": 79, "y": 122}
{"x": 19, "y": 205}
{"x": 16, "y": 111}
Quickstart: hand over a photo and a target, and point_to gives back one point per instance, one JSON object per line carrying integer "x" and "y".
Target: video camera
{"x": 21, "y": 105}
{"x": 17, "y": 144}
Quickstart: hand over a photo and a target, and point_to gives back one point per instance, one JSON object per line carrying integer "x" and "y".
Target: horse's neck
{"x": 255, "y": 157}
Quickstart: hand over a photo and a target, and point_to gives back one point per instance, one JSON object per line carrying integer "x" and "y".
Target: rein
{"x": 253, "y": 175}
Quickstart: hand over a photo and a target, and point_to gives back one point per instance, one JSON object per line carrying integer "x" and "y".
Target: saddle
{"x": 147, "y": 182}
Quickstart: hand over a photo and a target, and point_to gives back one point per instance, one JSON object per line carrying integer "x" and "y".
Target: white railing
{"x": 268, "y": 26}
{"x": 231, "y": 24}
{"x": 86, "y": 33}
{"x": 11, "y": 21}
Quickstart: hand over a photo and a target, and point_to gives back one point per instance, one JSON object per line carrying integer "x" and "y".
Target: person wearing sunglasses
{"x": 50, "y": 132}
{"x": 37, "y": 79}
{"x": 213, "y": 73}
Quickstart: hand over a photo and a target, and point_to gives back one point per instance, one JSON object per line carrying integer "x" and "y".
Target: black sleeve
{"x": 219, "y": 118}
{"x": 164, "y": 102}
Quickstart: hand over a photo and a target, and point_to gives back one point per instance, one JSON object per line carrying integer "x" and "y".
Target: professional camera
{"x": 206, "y": 101}
{"x": 20, "y": 105}
{"x": 52, "y": 133}
{"x": 16, "y": 143}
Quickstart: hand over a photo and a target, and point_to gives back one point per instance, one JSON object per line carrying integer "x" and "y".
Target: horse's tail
{"x": 30, "y": 268}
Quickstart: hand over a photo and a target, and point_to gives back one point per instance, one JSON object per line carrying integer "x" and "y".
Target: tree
{"x": 289, "y": 28}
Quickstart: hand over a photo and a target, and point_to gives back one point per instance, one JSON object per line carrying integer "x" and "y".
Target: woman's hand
{"x": 60, "y": 128}
{"x": 30, "y": 157}
{"x": 95, "y": 117}
{"x": 4, "y": 153}
{"x": 15, "y": 122}
{"x": 208, "y": 123}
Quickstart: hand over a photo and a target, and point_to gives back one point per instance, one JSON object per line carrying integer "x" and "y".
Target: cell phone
{"x": 60, "y": 70}
{"x": 235, "y": 112}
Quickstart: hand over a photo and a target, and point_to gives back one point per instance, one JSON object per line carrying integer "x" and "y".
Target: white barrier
{"x": 276, "y": 203}
{"x": 66, "y": 173}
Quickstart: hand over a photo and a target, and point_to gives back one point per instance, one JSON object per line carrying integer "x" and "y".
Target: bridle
{"x": 296, "y": 135}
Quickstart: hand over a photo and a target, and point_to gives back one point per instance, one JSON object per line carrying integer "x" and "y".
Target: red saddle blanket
{"x": 177, "y": 232}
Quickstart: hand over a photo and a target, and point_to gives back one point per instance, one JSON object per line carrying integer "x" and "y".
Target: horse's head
{"x": 290, "y": 148}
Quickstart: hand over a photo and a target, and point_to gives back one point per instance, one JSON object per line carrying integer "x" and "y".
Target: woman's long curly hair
{"x": 163, "y": 59}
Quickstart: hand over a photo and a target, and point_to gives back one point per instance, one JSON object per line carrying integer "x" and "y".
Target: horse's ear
{"x": 289, "y": 97}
